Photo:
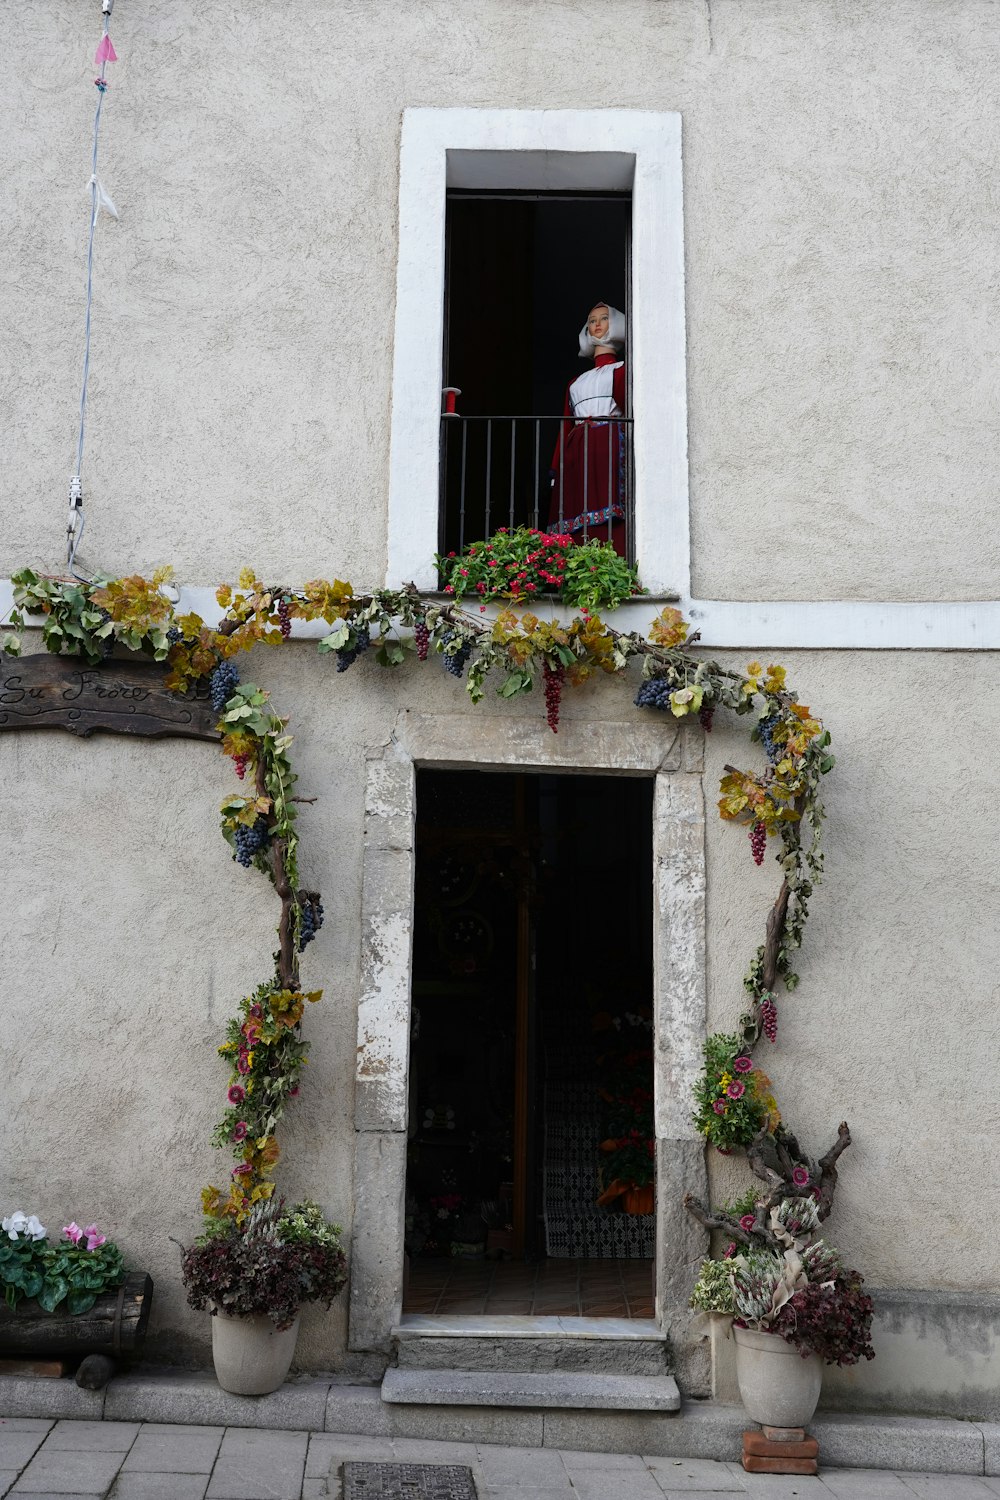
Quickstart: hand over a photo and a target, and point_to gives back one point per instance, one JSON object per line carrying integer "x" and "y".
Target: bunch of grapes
{"x": 454, "y": 662}
{"x": 758, "y": 842}
{"x": 706, "y": 714}
{"x": 284, "y": 618}
{"x": 553, "y": 678}
{"x": 769, "y": 1017}
{"x": 175, "y": 635}
{"x": 223, "y": 683}
{"x": 311, "y": 919}
{"x": 422, "y": 636}
{"x": 348, "y": 655}
{"x": 766, "y": 730}
{"x": 241, "y": 762}
{"x": 250, "y": 840}
{"x": 654, "y": 692}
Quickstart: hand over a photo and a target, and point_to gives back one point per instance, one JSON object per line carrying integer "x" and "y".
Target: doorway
{"x": 530, "y": 1145}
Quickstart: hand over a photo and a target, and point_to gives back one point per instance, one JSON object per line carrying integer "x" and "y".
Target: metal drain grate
{"x": 408, "y": 1482}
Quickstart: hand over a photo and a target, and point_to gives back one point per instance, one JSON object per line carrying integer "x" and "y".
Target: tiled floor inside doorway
{"x": 548, "y": 1288}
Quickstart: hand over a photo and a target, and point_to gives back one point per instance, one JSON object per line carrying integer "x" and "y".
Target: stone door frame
{"x": 670, "y": 753}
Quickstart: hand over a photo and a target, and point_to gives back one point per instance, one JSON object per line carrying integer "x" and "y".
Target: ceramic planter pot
{"x": 251, "y": 1356}
{"x": 778, "y": 1387}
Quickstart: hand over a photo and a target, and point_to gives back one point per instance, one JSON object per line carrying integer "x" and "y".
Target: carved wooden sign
{"x": 124, "y": 697}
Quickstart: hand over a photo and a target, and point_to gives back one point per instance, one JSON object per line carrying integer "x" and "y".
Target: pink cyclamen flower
{"x": 73, "y": 1232}
{"x": 236, "y": 1093}
{"x": 736, "y": 1089}
{"x": 242, "y": 1170}
{"x": 293, "y": 1091}
{"x": 743, "y": 1065}
{"x": 240, "y": 1130}
{"x": 800, "y": 1177}
{"x": 719, "y": 1107}
{"x": 730, "y": 1250}
{"x": 747, "y": 1222}
{"x": 242, "y": 1066}
{"x": 95, "y": 1239}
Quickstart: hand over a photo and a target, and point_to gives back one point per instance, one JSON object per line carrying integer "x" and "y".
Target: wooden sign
{"x": 123, "y": 697}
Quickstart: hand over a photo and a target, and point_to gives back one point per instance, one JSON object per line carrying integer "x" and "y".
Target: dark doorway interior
{"x": 522, "y": 274}
{"x": 532, "y": 1043}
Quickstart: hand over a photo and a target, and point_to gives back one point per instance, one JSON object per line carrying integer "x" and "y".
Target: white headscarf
{"x": 615, "y": 335}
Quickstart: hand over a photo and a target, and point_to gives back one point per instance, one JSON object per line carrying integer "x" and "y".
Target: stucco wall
{"x": 130, "y": 934}
{"x": 841, "y": 251}
{"x": 841, "y": 248}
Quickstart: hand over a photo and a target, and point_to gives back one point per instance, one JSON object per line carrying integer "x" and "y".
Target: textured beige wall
{"x": 841, "y": 250}
{"x": 130, "y": 934}
{"x": 841, "y": 262}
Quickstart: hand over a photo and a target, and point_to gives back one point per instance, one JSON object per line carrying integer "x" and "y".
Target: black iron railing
{"x": 557, "y": 473}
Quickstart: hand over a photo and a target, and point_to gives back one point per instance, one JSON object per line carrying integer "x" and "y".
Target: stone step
{"x": 645, "y": 1357}
{"x": 563, "y": 1389}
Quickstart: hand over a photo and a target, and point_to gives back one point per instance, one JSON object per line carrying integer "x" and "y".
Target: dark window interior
{"x": 522, "y": 274}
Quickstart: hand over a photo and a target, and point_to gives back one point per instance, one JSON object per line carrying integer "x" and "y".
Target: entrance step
{"x": 499, "y": 1345}
{"x": 520, "y": 1356}
{"x": 565, "y": 1389}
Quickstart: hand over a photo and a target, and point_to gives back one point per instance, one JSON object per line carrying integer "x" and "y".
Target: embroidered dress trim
{"x": 588, "y": 518}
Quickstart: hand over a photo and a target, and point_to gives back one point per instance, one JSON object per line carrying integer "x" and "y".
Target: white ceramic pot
{"x": 251, "y": 1356}
{"x": 778, "y": 1387}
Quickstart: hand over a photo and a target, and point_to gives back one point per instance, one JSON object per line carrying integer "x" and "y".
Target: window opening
{"x": 531, "y": 1044}
{"x": 523, "y": 271}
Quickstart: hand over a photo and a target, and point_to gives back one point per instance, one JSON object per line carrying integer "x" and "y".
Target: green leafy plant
{"x": 273, "y": 1263}
{"x": 76, "y": 1269}
{"x": 713, "y": 1291}
{"x": 524, "y": 563}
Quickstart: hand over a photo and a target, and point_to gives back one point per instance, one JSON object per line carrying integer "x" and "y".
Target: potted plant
{"x": 69, "y": 1298}
{"x": 628, "y": 1145}
{"x": 793, "y": 1305}
{"x": 253, "y": 1276}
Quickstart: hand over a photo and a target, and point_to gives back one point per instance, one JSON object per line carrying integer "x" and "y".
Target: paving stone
{"x": 694, "y": 1475}
{"x": 68, "y": 1473}
{"x": 17, "y": 1447}
{"x": 24, "y": 1424}
{"x": 506, "y": 1492}
{"x": 7, "y": 1477}
{"x": 431, "y": 1451}
{"x": 947, "y": 1486}
{"x": 522, "y": 1467}
{"x": 783, "y": 1487}
{"x": 180, "y": 1450}
{"x": 595, "y": 1484}
{"x": 918, "y": 1444}
{"x": 860, "y": 1484}
{"x": 97, "y": 1437}
{"x": 56, "y": 1495}
{"x": 195, "y": 1400}
{"x": 259, "y": 1466}
{"x": 169, "y": 1486}
{"x": 329, "y": 1448}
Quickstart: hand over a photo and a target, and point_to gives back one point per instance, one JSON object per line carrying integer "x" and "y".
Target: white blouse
{"x": 592, "y": 393}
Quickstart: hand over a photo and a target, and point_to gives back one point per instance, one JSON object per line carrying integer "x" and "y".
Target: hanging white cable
{"x": 98, "y": 200}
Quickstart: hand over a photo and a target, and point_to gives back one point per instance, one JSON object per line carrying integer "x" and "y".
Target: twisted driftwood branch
{"x": 773, "y": 1158}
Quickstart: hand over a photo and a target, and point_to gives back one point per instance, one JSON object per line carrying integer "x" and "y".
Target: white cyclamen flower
{"x": 18, "y": 1224}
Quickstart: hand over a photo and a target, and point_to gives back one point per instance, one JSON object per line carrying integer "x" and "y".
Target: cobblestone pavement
{"x": 74, "y": 1460}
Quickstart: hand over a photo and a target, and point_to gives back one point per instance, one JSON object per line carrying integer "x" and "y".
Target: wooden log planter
{"x": 113, "y": 1329}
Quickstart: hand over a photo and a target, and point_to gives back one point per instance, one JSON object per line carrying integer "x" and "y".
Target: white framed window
{"x": 587, "y": 151}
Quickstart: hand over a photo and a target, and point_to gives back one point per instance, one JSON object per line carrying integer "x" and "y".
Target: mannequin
{"x": 588, "y": 463}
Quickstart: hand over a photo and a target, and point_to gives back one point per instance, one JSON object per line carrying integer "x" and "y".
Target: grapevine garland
{"x": 734, "y": 1103}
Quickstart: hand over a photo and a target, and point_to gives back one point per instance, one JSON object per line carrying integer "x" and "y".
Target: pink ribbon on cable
{"x": 105, "y": 50}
